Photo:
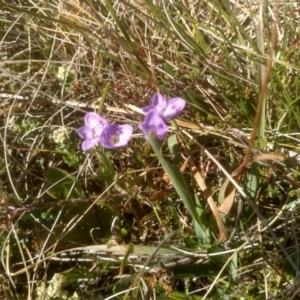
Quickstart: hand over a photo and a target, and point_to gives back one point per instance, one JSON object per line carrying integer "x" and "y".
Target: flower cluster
{"x": 158, "y": 113}
{"x": 98, "y": 130}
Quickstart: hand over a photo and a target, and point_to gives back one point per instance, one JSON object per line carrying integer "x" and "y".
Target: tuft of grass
{"x": 108, "y": 224}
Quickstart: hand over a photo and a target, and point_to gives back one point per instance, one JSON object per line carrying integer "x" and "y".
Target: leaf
{"x": 169, "y": 69}
{"x": 181, "y": 188}
{"x": 234, "y": 266}
{"x": 125, "y": 259}
{"x": 61, "y": 185}
{"x": 117, "y": 20}
{"x": 106, "y": 171}
{"x": 174, "y": 148}
{"x": 252, "y": 179}
{"x": 192, "y": 270}
{"x": 103, "y": 97}
{"x": 221, "y": 259}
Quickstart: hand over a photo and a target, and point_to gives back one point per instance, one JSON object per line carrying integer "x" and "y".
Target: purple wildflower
{"x": 115, "y": 136}
{"x": 154, "y": 125}
{"x": 92, "y": 130}
{"x": 166, "y": 109}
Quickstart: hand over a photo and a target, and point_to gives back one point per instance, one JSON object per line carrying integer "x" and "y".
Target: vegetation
{"x": 211, "y": 212}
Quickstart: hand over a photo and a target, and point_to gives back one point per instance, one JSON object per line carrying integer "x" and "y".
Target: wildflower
{"x": 59, "y": 135}
{"x": 166, "y": 109}
{"x": 64, "y": 73}
{"x": 92, "y": 130}
{"x": 158, "y": 112}
{"x": 61, "y": 73}
{"x": 115, "y": 136}
{"x": 154, "y": 125}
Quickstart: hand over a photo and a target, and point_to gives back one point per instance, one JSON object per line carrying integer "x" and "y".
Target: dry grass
{"x": 60, "y": 59}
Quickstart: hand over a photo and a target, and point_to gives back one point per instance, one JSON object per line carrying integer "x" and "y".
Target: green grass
{"x": 107, "y": 224}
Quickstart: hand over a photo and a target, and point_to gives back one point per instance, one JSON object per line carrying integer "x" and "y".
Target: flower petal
{"x": 85, "y": 132}
{"x": 154, "y": 125}
{"x": 92, "y": 120}
{"x": 98, "y": 130}
{"x": 87, "y": 144}
{"x": 125, "y": 135}
{"x": 159, "y": 102}
{"x": 147, "y": 108}
{"x": 175, "y": 107}
{"x": 115, "y": 136}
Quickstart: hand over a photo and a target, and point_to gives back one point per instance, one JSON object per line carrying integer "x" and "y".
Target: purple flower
{"x": 115, "y": 136}
{"x": 166, "y": 109}
{"x": 92, "y": 130}
{"x": 154, "y": 125}
{"x": 97, "y": 130}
